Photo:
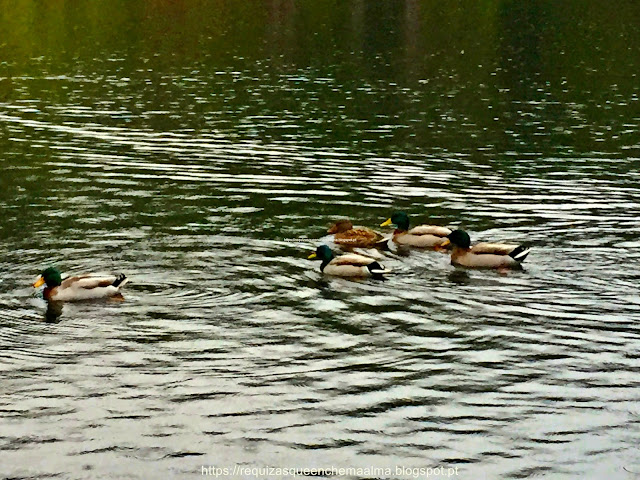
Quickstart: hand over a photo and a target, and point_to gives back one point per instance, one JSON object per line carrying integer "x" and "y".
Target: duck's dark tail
{"x": 520, "y": 253}
{"x": 384, "y": 243}
{"x": 377, "y": 271}
{"x": 121, "y": 280}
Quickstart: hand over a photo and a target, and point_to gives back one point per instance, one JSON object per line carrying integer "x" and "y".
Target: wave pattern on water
{"x": 231, "y": 344}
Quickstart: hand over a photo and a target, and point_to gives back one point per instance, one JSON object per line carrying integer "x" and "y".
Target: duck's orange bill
{"x": 445, "y": 243}
{"x": 39, "y": 282}
{"x": 388, "y": 222}
{"x": 312, "y": 256}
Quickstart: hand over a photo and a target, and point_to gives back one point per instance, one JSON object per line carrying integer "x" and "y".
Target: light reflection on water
{"x": 231, "y": 341}
{"x": 231, "y": 344}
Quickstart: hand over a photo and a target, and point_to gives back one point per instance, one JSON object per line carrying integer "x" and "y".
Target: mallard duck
{"x": 349, "y": 265}
{"x": 425, "y": 236}
{"x": 344, "y": 234}
{"x": 485, "y": 255}
{"x": 82, "y": 287}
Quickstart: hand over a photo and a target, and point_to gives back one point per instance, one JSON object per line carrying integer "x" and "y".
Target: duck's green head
{"x": 399, "y": 219}
{"x": 459, "y": 238}
{"x": 51, "y": 276}
{"x": 323, "y": 252}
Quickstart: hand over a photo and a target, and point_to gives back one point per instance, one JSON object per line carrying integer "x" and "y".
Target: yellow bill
{"x": 388, "y": 222}
{"x": 445, "y": 243}
{"x": 312, "y": 256}
{"x": 39, "y": 282}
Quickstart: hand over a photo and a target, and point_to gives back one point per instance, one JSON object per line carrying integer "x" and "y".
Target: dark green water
{"x": 192, "y": 145}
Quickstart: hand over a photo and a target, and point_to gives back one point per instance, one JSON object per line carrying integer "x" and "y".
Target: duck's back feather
{"x": 352, "y": 259}
{"x": 425, "y": 236}
{"x": 493, "y": 249}
{"x": 87, "y": 287}
{"x": 357, "y": 237}
{"x": 430, "y": 230}
{"x": 87, "y": 282}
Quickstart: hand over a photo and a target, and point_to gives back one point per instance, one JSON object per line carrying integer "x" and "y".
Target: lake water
{"x": 195, "y": 145}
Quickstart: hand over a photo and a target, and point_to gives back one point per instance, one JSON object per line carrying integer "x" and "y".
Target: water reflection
{"x": 54, "y": 311}
{"x": 459, "y": 276}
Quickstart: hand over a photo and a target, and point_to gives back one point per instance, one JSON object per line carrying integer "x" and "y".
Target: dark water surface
{"x": 192, "y": 145}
